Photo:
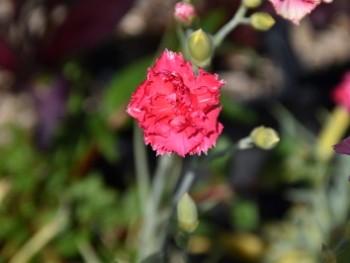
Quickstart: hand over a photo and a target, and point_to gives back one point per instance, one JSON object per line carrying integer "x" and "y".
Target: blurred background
{"x": 67, "y": 176}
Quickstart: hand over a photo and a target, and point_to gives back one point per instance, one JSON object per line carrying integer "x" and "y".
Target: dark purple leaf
{"x": 343, "y": 147}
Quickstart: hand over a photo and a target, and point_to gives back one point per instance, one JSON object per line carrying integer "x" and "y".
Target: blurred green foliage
{"x": 36, "y": 183}
{"x": 103, "y": 220}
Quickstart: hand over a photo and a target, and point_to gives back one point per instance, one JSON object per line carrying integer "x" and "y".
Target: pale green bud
{"x": 264, "y": 138}
{"x": 200, "y": 47}
{"x": 251, "y": 3}
{"x": 261, "y": 21}
{"x": 187, "y": 214}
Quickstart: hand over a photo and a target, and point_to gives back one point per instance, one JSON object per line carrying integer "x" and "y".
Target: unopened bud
{"x": 200, "y": 47}
{"x": 251, "y": 3}
{"x": 261, "y": 21}
{"x": 184, "y": 13}
{"x": 264, "y": 138}
{"x": 187, "y": 214}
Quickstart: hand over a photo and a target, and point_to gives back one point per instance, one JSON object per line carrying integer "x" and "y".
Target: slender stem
{"x": 228, "y": 150}
{"x": 246, "y": 21}
{"x": 182, "y": 37}
{"x": 88, "y": 253}
{"x": 142, "y": 169}
{"x": 332, "y": 132}
{"x": 186, "y": 255}
{"x": 174, "y": 176}
{"x": 227, "y": 28}
{"x": 5, "y": 187}
{"x": 185, "y": 185}
{"x": 150, "y": 240}
{"x": 42, "y": 237}
{"x": 160, "y": 178}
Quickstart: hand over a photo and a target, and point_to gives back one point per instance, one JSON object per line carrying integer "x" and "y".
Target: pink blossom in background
{"x": 184, "y": 12}
{"x": 295, "y": 10}
{"x": 341, "y": 93}
{"x": 178, "y": 110}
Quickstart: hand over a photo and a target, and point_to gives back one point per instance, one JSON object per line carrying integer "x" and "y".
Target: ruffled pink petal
{"x": 294, "y": 10}
{"x": 206, "y": 89}
{"x": 175, "y": 142}
{"x": 174, "y": 62}
{"x": 177, "y": 111}
{"x": 341, "y": 93}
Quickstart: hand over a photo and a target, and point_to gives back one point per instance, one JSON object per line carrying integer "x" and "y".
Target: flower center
{"x": 181, "y": 100}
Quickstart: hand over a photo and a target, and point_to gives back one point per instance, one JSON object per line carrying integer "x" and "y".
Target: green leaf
{"x": 105, "y": 138}
{"x": 119, "y": 90}
{"x": 245, "y": 215}
{"x": 213, "y": 20}
{"x": 220, "y": 154}
{"x": 94, "y": 202}
{"x": 234, "y": 111}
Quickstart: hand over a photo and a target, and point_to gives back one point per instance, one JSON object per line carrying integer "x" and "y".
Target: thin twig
{"x": 150, "y": 237}
{"x": 227, "y": 28}
{"x": 88, "y": 252}
{"x": 41, "y": 238}
{"x": 142, "y": 169}
{"x": 185, "y": 185}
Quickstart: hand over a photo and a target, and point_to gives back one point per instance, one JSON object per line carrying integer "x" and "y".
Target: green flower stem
{"x": 188, "y": 178}
{"x": 142, "y": 169}
{"x": 246, "y": 21}
{"x": 151, "y": 239}
{"x": 88, "y": 253}
{"x": 42, "y": 237}
{"x": 227, "y": 28}
{"x": 183, "y": 40}
{"x": 185, "y": 185}
{"x": 186, "y": 255}
{"x": 332, "y": 132}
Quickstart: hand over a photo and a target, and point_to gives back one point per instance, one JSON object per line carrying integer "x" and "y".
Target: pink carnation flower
{"x": 341, "y": 93}
{"x": 177, "y": 110}
{"x": 184, "y": 12}
{"x": 295, "y": 10}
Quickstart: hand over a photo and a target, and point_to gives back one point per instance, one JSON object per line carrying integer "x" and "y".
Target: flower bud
{"x": 251, "y": 3}
{"x": 264, "y": 138}
{"x": 261, "y": 21}
{"x": 184, "y": 13}
{"x": 200, "y": 47}
{"x": 187, "y": 214}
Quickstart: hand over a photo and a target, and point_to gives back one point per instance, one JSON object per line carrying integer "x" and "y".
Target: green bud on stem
{"x": 261, "y": 21}
{"x": 251, "y": 3}
{"x": 264, "y": 138}
{"x": 200, "y": 47}
{"x": 187, "y": 214}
